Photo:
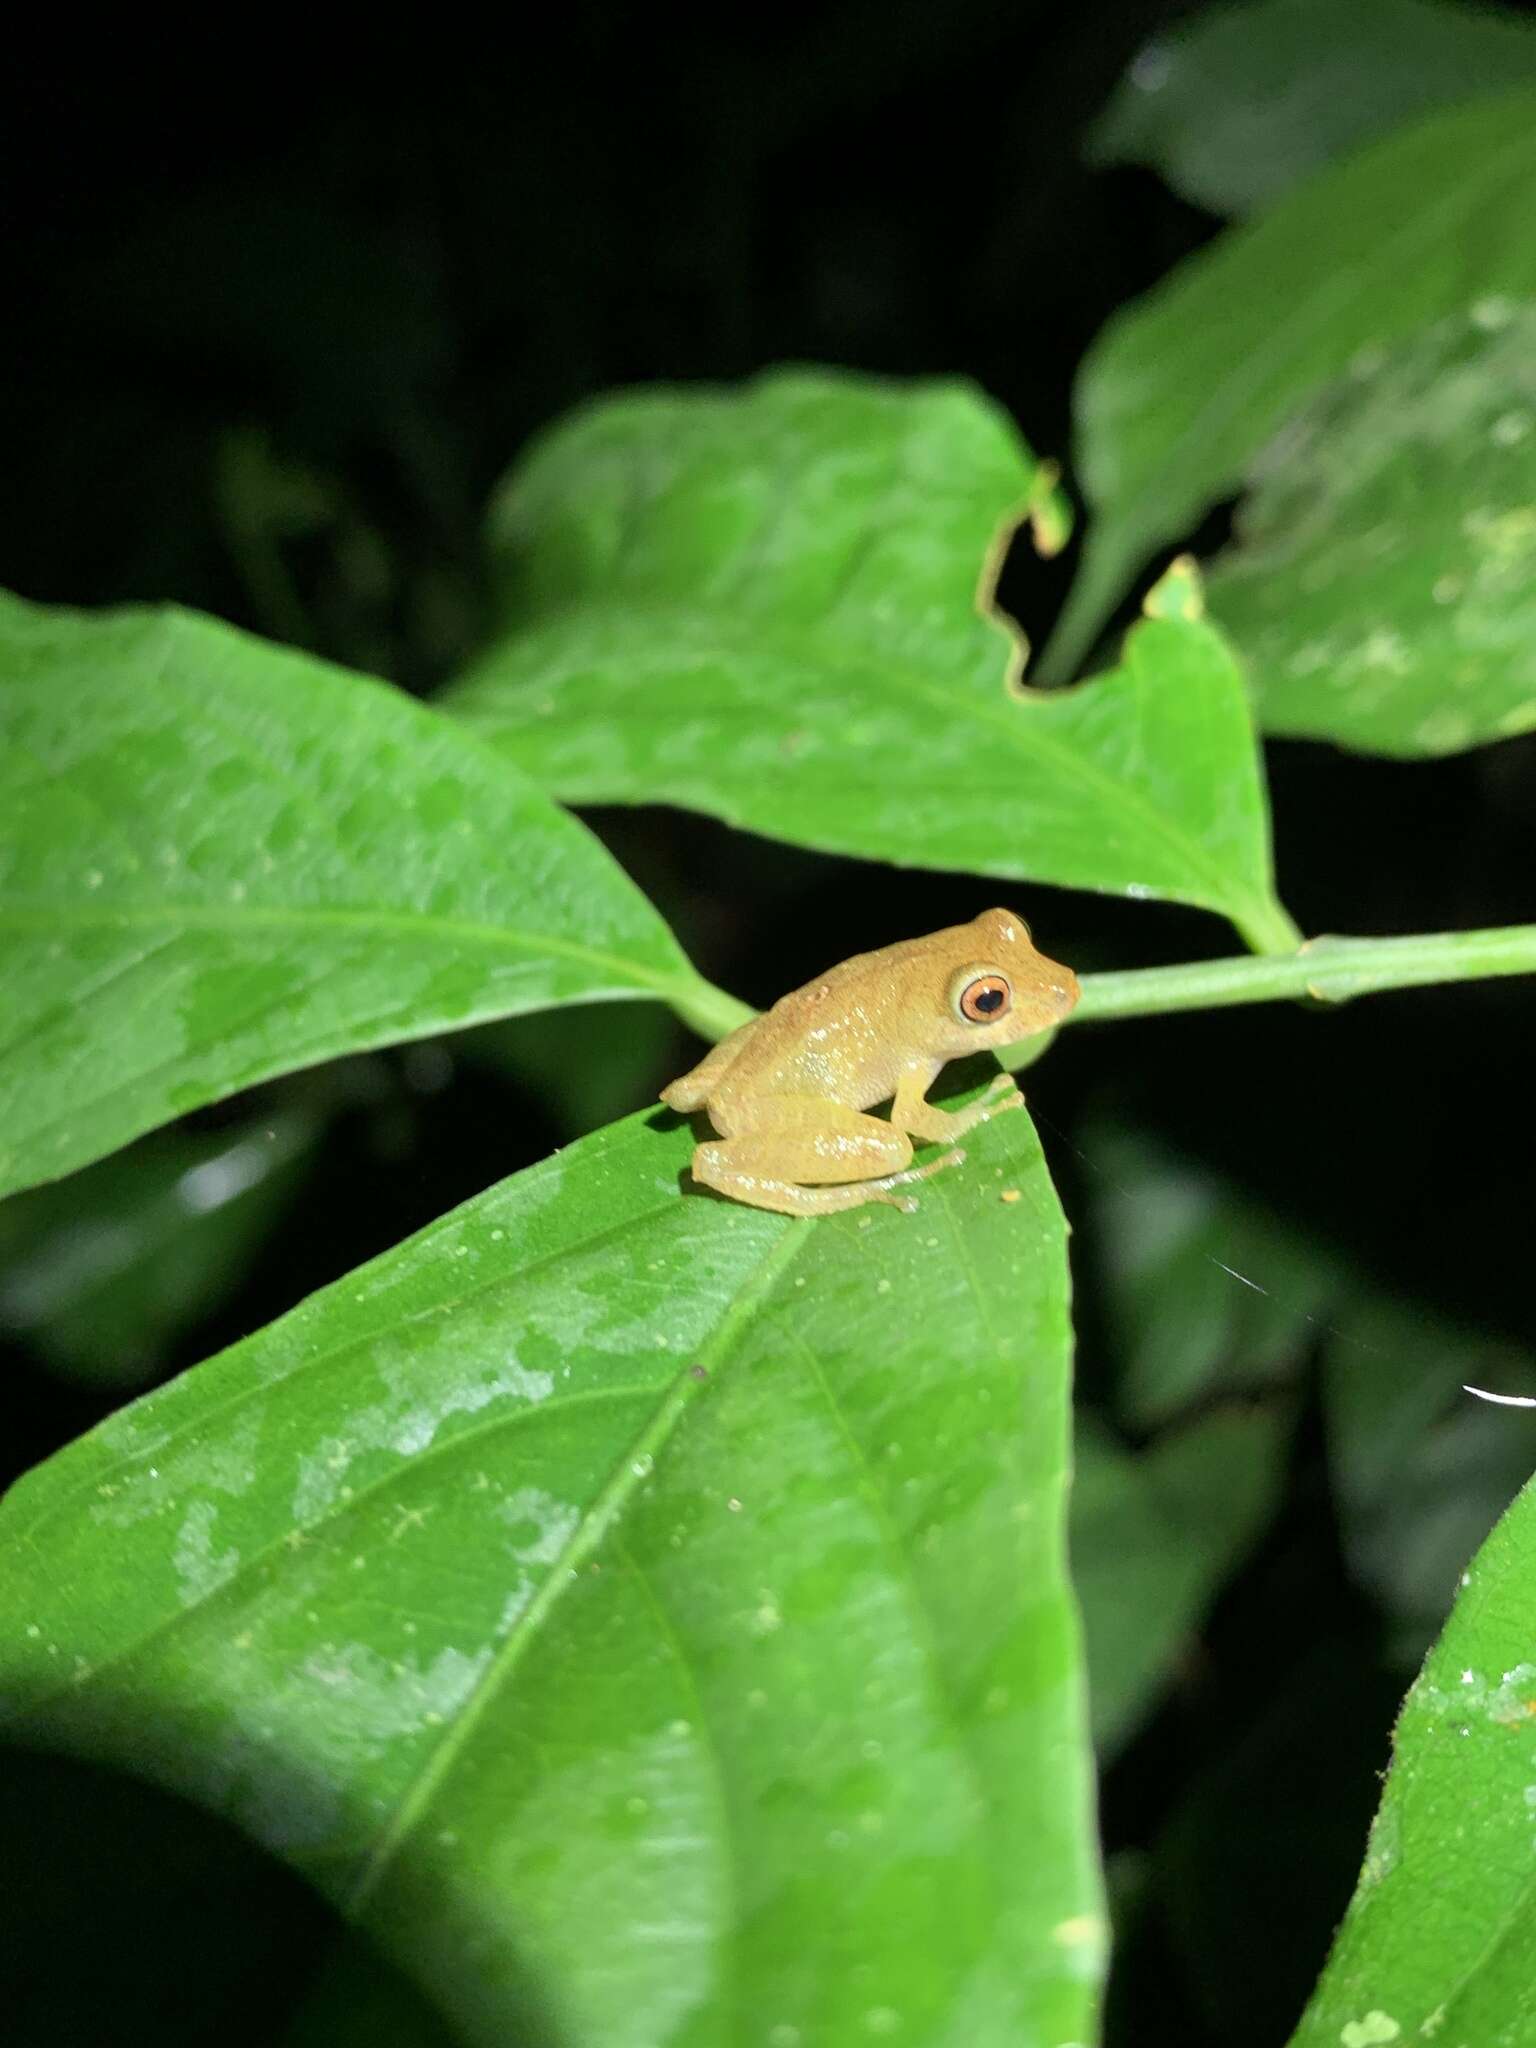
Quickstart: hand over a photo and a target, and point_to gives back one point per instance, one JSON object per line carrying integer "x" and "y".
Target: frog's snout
{"x": 1065, "y": 990}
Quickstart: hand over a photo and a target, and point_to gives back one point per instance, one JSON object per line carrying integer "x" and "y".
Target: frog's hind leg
{"x": 816, "y": 1142}
{"x": 692, "y": 1090}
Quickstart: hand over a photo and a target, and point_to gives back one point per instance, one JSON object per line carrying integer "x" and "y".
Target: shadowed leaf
{"x": 658, "y": 1603}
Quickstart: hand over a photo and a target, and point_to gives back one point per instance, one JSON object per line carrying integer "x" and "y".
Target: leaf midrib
{"x": 623, "y": 1481}
{"x": 23, "y": 918}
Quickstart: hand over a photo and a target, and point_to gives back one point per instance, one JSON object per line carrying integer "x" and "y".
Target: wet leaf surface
{"x": 1439, "y": 1939}
{"x": 224, "y": 861}
{"x": 636, "y": 1610}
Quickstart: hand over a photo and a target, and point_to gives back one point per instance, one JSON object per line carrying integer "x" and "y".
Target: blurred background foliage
{"x": 281, "y": 316}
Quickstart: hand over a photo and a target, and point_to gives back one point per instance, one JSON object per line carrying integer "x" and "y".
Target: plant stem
{"x": 709, "y": 1010}
{"x": 1330, "y": 970}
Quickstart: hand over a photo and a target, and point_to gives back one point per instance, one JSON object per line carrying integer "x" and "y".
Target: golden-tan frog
{"x": 787, "y": 1091}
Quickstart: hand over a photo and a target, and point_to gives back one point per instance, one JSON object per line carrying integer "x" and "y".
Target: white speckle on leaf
{"x": 1492, "y": 313}
{"x": 1443, "y": 731}
{"x": 767, "y": 1618}
{"x": 1509, "y": 429}
{"x": 1151, "y": 68}
{"x": 1384, "y": 649}
{"x": 200, "y": 1569}
{"x": 407, "y": 1422}
{"x": 1374, "y": 2031}
{"x": 1309, "y": 658}
{"x": 550, "y": 1521}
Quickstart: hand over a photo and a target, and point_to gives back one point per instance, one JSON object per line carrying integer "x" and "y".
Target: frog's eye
{"x": 983, "y": 999}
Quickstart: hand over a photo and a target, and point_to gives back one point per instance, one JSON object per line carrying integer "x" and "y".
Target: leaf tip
{"x": 1178, "y": 594}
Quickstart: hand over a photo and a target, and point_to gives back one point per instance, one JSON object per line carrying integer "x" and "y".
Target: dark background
{"x": 280, "y": 316}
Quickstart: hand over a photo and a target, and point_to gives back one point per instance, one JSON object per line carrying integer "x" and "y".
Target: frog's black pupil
{"x": 990, "y": 999}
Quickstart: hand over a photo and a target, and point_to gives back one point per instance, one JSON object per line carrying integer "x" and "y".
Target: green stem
{"x": 709, "y": 1010}
{"x": 1330, "y": 970}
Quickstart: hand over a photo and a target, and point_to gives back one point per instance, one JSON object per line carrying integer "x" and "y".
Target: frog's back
{"x": 799, "y": 1045}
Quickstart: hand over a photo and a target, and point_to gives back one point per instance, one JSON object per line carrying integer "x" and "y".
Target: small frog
{"x": 788, "y": 1090}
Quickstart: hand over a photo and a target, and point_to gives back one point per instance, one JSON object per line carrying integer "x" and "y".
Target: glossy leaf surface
{"x": 642, "y": 1613}
{"x": 1439, "y": 1942}
{"x": 223, "y": 861}
{"x": 1383, "y": 584}
{"x": 1181, "y": 390}
{"x": 762, "y": 604}
{"x": 1237, "y": 104}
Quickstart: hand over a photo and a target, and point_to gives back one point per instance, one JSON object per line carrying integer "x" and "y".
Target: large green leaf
{"x": 1439, "y": 1943}
{"x": 221, "y": 861}
{"x": 762, "y": 604}
{"x": 1181, "y": 389}
{"x": 1238, "y": 104}
{"x": 644, "y": 1614}
{"x": 1383, "y": 585}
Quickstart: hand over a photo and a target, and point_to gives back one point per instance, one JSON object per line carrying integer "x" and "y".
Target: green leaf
{"x": 1241, "y": 103}
{"x": 102, "y": 1271}
{"x": 1153, "y": 1536}
{"x": 1181, "y": 389}
{"x": 224, "y": 861}
{"x": 1383, "y": 585}
{"x": 1437, "y": 1942}
{"x": 637, "y": 1610}
{"x": 762, "y": 604}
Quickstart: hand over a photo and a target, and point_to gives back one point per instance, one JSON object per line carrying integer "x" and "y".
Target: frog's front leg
{"x": 909, "y": 1111}
{"x": 809, "y": 1140}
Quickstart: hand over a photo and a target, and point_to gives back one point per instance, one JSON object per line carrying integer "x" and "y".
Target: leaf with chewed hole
{"x": 634, "y": 1609}
{"x": 762, "y": 603}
